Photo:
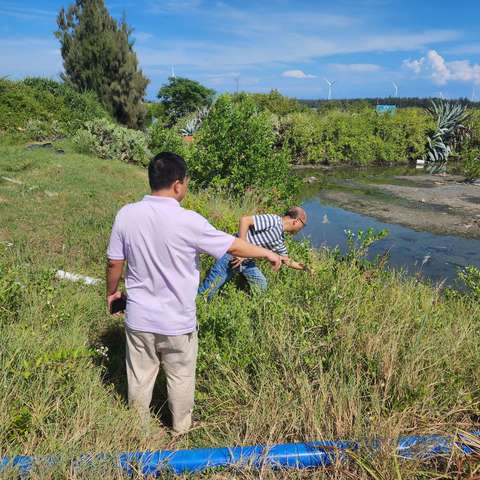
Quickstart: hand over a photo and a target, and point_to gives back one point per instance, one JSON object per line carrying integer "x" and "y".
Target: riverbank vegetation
{"x": 294, "y": 134}
{"x": 38, "y": 109}
{"x": 346, "y": 351}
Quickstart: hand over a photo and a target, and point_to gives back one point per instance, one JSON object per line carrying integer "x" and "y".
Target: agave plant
{"x": 450, "y": 130}
{"x": 191, "y": 127}
{"x": 195, "y": 122}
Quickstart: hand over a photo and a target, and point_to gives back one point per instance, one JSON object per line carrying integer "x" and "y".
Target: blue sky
{"x": 425, "y": 47}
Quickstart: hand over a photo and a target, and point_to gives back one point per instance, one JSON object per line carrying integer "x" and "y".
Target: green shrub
{"x": 235, "y": 150}
{"x": 276, "y": 103}
{"x": 357, "y": 138}
{"x": 471, "y": 277}
{"x": 155, "y": 113}
{"x": 40, "y": 130}
{"x": 162, "y": 139}
{"x": 474, "y": 121}
{"x": 107, "y": 140}
{"x": 471, "y": 168}
{"x": 40, "y": 108}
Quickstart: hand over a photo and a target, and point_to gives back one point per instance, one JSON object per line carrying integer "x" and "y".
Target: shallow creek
{"x": 433, "y": 222}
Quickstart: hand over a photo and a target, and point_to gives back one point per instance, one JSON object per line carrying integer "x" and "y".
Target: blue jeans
{"x": 222, "y": 272}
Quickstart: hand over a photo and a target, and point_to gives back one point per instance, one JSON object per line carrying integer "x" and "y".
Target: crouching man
{"x": 160, "y": 242}
{"x": 267, "y": 231}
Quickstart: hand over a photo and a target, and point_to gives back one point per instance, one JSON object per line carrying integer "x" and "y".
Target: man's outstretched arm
{"x": 241, "y": 248}
{"x": 245, "y": 223}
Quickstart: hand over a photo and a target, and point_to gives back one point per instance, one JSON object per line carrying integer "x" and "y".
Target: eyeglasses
{"x": 303, "y": 223}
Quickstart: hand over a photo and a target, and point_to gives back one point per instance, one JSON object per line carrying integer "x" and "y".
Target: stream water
{"x": 437, "y": 257}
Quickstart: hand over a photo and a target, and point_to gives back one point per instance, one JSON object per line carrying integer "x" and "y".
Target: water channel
{"x": 437, "y": 257}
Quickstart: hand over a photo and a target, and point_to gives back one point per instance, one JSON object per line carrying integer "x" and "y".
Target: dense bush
{"x": 40, "y": 108}
{"x": 155, "y": 113}
{"x": 360, "y": 138}
{"x": 471, "y": 167}
{"x": 235, "y": 150}
{"x": 474, "y": 122}
{"x": 163, "y": 139}
{"x": 110, "y": 141}
{"x": 276, "y": 103}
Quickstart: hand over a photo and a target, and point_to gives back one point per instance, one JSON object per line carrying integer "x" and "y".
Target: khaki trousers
{"x": 178, "y": 357}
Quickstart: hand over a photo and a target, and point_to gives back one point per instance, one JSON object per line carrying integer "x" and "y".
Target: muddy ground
{"x": 425, "y": 202}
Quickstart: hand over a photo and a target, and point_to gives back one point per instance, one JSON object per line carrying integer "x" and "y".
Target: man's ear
{"x": 176, "y": 186}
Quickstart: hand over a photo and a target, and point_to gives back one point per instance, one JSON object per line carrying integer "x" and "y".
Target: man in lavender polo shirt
{"x": 160, "y": 241}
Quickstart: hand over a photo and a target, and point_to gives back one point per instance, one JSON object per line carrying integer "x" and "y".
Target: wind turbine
{"x": 330, "y": 85}
{"x": 237, "y": 82}
{"x": 395, "y": 86}
{"x": 173, "y": 72}
{"x": 473, "y": 94}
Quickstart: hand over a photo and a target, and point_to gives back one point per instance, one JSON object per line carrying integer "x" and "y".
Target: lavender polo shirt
{"x": 161, "y": 242}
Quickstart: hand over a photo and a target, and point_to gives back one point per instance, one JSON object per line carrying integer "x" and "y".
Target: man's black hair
{"x": 164, "y": 169}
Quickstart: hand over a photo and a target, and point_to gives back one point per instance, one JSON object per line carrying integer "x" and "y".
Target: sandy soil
{"x": 423, "y": 202}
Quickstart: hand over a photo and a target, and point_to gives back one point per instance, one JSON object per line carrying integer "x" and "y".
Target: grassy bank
{"x": 339, "y": 352}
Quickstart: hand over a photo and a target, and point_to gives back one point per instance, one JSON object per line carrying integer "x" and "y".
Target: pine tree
{"x": 98, "y": 55}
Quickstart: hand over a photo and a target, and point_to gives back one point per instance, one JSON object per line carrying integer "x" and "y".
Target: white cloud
{"x": 296, "y": 74}
{"x": 355, "y": 67}
{"x": 414, "y": 65}
{"x": 258, "y": 34}
{"x": 442, "y": 72}
{"x": 279, "y": 48}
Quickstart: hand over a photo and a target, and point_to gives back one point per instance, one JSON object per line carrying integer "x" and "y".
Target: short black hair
{"x": 164, "y": 169}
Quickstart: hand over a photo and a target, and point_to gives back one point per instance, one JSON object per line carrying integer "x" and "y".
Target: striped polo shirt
{"x": 267, "y": 231}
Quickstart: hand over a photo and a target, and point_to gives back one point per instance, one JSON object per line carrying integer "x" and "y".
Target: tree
{"x": 98, "y": 55}
{"x": 182, "y": 96}
{"x": 276, "y": 103}
{"x": 235, "y": 151}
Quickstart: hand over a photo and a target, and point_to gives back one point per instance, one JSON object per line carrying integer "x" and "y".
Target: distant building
{"x": 386, "y": 109}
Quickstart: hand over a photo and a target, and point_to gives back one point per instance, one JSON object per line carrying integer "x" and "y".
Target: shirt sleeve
{"x": 281, "y": 249}
{"x": 213, "y": 241}
{"x": 116, "y": 245}
{"x": 263, "y": 222}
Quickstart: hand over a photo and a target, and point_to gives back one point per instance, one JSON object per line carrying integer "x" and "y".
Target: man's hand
{"x": 114, "y": 273}
{"x": 275, "y": 260}
{"x": 293, "y": 264}
{"x": 110, "y": 299}
{"x": 237, "y": 261}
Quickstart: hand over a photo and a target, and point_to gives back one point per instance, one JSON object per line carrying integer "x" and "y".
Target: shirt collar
{"x": 158, "y": 199}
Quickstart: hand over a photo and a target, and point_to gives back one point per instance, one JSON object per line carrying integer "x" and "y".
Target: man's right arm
{"x": 245, "y": 223}
{"x": 241, "y": 248}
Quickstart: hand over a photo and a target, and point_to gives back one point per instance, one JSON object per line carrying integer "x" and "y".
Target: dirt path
{"x": 423, "y": 202}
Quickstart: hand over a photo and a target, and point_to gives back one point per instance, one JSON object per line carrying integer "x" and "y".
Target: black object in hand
{"x": 118, "y": 305}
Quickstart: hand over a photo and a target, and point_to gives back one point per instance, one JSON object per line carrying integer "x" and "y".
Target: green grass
{"x": 341, "y": 352}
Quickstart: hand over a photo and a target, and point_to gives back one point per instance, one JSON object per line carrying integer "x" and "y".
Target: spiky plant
{"x": 450, "y": 130}
{"x": 194, "y": 123}
{"x": 191, "y": 127}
